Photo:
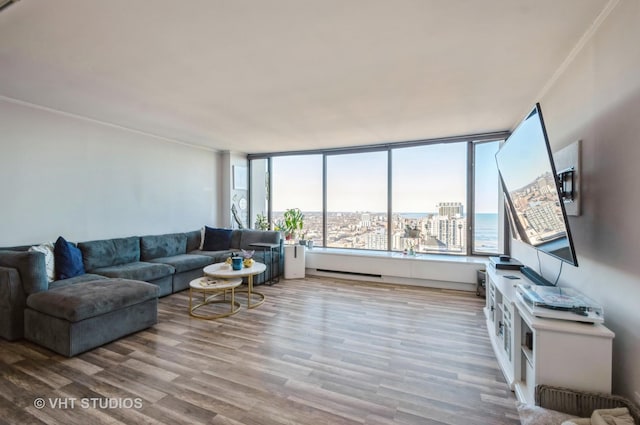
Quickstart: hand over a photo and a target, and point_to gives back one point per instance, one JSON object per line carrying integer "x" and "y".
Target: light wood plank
{"x": 318, "y": 351}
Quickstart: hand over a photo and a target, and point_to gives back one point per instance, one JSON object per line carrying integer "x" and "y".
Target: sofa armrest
{"x": 581, "y": 403}
{"x": 30, "y": 266}
{"x": 12, "y": 304}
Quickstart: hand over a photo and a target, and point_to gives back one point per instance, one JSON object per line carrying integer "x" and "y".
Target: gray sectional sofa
{"x": 117, "y": 295}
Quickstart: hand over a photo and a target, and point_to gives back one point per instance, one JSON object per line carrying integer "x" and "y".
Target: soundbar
{"x": 507, "y": 263}
{"x": 534, "y": 277}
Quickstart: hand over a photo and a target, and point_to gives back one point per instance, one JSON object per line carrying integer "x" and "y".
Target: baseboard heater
{"x": 350, "y": 273}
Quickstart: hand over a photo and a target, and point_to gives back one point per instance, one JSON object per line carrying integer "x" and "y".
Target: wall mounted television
{"x": 532, "y": 193}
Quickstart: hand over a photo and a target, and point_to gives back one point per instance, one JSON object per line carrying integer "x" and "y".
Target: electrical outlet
{"x": 637, "y": 396}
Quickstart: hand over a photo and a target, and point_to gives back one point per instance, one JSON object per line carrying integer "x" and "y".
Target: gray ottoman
{"x": 75, "y": 318}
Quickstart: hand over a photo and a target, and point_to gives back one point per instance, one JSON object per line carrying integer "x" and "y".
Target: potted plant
{"x": 293, "y": 222}
{"x": 278, "y": 226}
{"x": 411, "y": 231}
{"x": 261, "y": 222}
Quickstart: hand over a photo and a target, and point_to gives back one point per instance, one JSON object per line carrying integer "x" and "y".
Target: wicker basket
{"x": 581, "y": 403}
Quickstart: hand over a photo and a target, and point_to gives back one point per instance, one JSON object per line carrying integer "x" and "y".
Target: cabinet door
{"x": 572, "y": 360}
{"x": 507, "y": 325}
{"x": 491, "y": 299}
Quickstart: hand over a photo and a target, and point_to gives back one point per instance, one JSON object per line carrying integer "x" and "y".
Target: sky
{"x": 422, "y": 177}
{"x": 524, "y": 157}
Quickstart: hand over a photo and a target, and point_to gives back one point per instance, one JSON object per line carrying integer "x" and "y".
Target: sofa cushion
{"x": 216, "y": 239}
{"x": 216, "y": 256}
{"x": 185, "y": 262}
{"x": 160, "y": 246}
{"x": 68, "y": 259}
{"x": 236, "y": 238}
{"x": 90, "y": 299}
{"x": 193, "y": 240}
{"x": 87, "y": 277}
{"x": 137, "y": 271}
{"x": 110, "y": 252}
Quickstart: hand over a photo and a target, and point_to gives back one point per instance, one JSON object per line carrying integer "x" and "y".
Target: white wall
{"x": 63, "y": 175}
{"x": 259, "y": 168}
{"x": 232, "y": 163}
{"x": 597, "y": 100}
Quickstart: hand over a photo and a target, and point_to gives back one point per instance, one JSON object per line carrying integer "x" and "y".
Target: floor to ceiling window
{"x": 430, "y": 196}
{"x": 357, "y": 200}
{"x": 486, "y": 218}
{"x": 297, "y": 183}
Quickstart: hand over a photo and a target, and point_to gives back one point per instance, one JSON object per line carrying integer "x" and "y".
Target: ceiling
{"x": 264, "y": 76}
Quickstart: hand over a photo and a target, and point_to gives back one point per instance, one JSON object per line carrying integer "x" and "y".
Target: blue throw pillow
{"x": 68, "y": 259}
{"x": 216, "y": 239}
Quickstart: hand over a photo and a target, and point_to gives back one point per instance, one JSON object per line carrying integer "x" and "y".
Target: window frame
{"x": 503, "y": 229}
{"x": 471, "y": 140}
{"x": 325, "y": 193}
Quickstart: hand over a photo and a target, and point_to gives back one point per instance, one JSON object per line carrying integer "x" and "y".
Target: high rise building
{"x": 376, "y": 240}
{"x": 544, "y": 219}
{"x": 449, "y": 226}
{"x": 450, "y": 209}
{"x": 365, "y": 220}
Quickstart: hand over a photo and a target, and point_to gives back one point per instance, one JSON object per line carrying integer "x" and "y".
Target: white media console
{"x": 532, "y": 350}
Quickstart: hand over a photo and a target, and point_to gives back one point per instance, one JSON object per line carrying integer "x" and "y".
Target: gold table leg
{"x": 233, "y": 304}
{"x": 250, "y": 292}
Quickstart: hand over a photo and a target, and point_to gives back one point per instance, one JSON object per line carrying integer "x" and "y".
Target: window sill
{"x": 439, "y": 258}
{"x": 430, "y": 270}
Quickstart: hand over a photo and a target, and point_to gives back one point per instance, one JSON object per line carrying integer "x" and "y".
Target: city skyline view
{"x": 358, "y": 190}
{"x": 425, "y": 232}
{"x": 538, "y": 210}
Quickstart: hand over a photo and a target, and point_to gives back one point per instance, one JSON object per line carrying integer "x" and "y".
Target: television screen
{"x": 532, "y": 193}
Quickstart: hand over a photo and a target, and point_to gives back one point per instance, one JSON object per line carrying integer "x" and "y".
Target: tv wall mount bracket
{"x": 566, "y": 181}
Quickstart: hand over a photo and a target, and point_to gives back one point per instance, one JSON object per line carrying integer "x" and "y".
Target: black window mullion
{"x": 389, "y": 198}
{"x": 324, "y": 200}
{"x": 470, "y": 196}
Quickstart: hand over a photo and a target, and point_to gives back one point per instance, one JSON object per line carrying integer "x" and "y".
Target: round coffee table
{"x": 211, "y": 289}
{"x": 224, "y": 271}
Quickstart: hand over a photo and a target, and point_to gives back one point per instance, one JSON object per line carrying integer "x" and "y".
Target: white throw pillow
{"x": 536, "y": 415}
{"x": 47, "y": 250}
{"x": 201, "y": 238}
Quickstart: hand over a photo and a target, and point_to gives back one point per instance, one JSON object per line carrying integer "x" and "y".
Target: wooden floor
{"x": 318, "y": 351}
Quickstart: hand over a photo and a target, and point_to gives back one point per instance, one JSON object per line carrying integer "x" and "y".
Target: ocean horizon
{"x": 485, "y": 232}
